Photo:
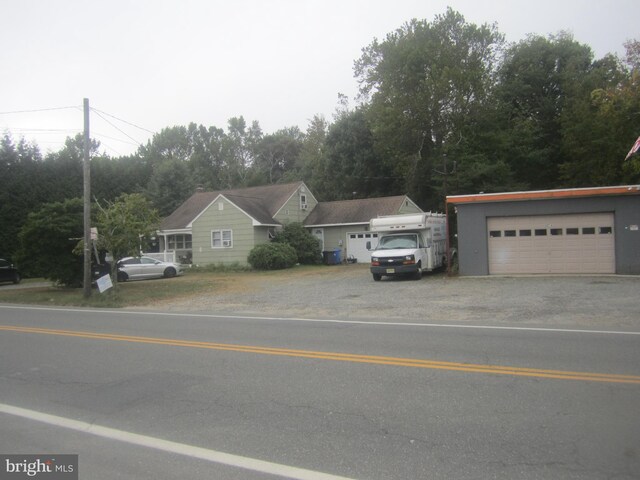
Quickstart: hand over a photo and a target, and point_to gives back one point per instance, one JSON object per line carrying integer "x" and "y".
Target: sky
{"x": 146, "y": 65}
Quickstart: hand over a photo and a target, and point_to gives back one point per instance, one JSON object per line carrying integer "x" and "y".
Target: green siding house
{"x": 344, "y": 225}
{"x": 223, "y": 227}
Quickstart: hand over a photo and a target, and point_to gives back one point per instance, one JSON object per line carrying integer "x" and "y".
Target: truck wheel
{"x": 418, "y": 274}
{"x": 377, "y": 277}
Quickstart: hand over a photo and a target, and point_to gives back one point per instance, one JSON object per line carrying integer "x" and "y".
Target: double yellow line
{"x": 343, "y": 357}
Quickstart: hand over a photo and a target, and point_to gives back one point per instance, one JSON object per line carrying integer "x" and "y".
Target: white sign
{"x": 104, "y": 283}
{"x": 94, "y": 233}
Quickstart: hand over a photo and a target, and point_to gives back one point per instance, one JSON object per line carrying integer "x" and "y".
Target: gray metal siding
{"x": 473, "y": 235}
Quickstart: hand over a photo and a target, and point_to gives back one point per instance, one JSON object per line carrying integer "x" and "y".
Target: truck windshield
{"x": 393, "y": 242}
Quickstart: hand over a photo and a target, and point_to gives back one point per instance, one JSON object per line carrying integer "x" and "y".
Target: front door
{"x": 319, "y": 234}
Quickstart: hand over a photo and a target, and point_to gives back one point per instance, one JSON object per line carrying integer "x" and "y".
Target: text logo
{"x": 48, "y": 467}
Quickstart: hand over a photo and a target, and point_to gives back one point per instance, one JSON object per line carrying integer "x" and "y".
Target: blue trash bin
{"x": 337, "y": 254}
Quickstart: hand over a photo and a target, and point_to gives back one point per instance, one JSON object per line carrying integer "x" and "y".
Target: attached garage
{"x": 573, "y": 231}
{"x": 357, "y": 243}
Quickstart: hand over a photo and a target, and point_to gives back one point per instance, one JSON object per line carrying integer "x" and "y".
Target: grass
{"x": 196, "y": 281}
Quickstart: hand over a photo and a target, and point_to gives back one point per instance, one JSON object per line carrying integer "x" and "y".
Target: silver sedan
{"x": 140, "y": 268}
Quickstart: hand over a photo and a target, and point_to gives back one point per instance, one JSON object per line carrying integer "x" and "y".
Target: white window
{"x": 221, "y": 239}
{"x": 179, "y": 241}
{"x": 303, "y": 202}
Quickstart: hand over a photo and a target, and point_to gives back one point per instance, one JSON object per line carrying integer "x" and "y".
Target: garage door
{"x": 582, "y": 243}
{"x": 357, "y": 245}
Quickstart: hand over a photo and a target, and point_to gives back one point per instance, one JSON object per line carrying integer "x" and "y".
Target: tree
{"x": 352, "y": 166}
{"x": 278, "y": 153}
{"x": 311, "y": 160}
{"x": 239, "y": 149}
{"x": 598, "y": 127}
{"x": 538, "y": 79}
{"x": 169, "y": 186}
{"x": 21, "y": 191}
{"x": 47, "y": 242}
{"x": 423, "y": 81}
{"x": 125, "y": 226}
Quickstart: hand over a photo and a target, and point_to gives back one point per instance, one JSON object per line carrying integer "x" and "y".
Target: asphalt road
{"x": 155, "y": 395}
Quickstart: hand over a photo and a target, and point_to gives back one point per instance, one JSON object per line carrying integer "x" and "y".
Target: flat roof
{"x": 544, "y": 194}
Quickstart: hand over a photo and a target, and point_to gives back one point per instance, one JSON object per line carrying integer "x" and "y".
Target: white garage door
{"x": 581, "y": 243}
{"x": 357, "y": 245}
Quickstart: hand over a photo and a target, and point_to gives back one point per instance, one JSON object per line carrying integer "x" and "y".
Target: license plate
{"x": 391, "y": 270}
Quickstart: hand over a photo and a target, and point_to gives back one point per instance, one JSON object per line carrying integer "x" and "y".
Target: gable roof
{"x": 354, "y": 211}
{"x": 260, "y": 203}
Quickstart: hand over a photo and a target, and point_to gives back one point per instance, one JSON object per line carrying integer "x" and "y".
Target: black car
{"x": 8, "y": 273}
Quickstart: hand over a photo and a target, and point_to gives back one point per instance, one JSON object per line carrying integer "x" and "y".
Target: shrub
{"x": 272, "y": 256}
{"x": 307, "y": 247}
{"x": 47, "y": 241}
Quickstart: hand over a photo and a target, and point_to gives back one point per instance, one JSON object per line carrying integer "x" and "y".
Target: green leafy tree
{"x": 310, "y": 164}
{"x": 21, "y": 191}
{"x": 239, "y": 147}
{"x": 424, "y": 81}
{"x": 47, "y": 242}
{"x": 306, "y": 246}
{"x": 125, "y": 226}
{"x": 169, "y": 186}
{"x": 538, "y": 79}
{"x": 278, "y": 153}
{"x": 600, "y": 125}
{"x": 352, "y": 166}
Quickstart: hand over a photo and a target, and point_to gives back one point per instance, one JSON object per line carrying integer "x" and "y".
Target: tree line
{"x": 444, "y": 107}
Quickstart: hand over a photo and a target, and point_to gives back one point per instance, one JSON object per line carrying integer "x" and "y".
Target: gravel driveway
{"x": 349, "y": 292}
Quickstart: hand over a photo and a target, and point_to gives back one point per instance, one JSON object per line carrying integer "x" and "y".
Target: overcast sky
{"x": 156, "y": 63}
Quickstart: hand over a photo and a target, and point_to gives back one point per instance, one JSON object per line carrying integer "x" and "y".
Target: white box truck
{"x": 408, "y": 244}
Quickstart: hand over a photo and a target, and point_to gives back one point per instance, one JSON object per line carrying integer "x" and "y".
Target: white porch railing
{"x": 162, "y": 256}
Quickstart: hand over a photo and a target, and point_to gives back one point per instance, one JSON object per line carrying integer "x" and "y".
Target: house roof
{"x": 544, "y": 194}
{"x": 261, "y": 203}
{"x": 354, "y": 211}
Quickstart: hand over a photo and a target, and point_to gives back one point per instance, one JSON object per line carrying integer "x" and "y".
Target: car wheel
{"x": 377, "y": 277}
{"x": 122, "y": 277}
{"x": 170, "y": 272}
{"x": 17, "y": 278}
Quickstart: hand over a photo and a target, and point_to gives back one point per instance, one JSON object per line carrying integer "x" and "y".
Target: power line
{"x": 41, "y": 110}
{"x": 123, "y": 121}
{"x": 102, "y": 135}
{"x": 116, "y": 127}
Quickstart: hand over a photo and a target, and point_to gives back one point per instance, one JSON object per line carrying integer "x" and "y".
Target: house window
{"x": 303, "y": 202}
{"x": 177, "y": 242}
{"x": 221, "y": 238}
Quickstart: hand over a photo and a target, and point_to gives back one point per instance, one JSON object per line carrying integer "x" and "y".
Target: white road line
{"x": 172, "y": 447}
{"x": 317, "y": 320}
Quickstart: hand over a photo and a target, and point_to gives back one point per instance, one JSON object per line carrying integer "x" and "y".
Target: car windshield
{"x": 398, "y": 241}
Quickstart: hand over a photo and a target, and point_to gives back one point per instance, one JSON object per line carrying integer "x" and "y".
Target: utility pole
{"x": 445, "y": 174}
{"x": 87, "y": 202}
